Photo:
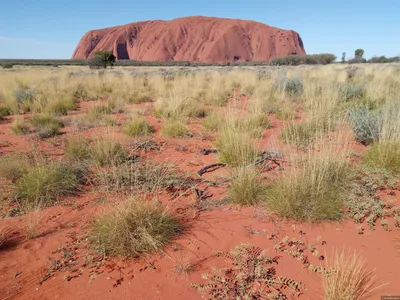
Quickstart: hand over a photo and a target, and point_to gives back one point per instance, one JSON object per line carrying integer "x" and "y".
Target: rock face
{"x": 199, "y": 39}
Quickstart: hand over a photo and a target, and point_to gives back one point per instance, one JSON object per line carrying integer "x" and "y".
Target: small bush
{"x": 246, "y": 187}
{"x": 43, "y": 183}
{"x": 292, "y": 86}
{"x": 78, "y": 149}
{"x": 384, "y": 154}
{"x": 312, "y": 192}
{"x": 24, "y": 97}
{"x": 134, "y": 228}
{"x": 19, "y": 127}
{"x": 348, "y": 278}
{"x": 107, "y": 152}
{"x": 46, "y": 125}
{"x": 4, "y": 111}
{"x": 138, "y": 127}
{"x": 13, "y": 166}
{"x": 366, "y": 125}
{"x": 235, "y": 148}
{"x": 352, "y": 92}
{"x": 7, "y": 66}
{"x": 175, "y": 128}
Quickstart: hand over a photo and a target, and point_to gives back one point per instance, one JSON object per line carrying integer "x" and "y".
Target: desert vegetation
{"x": 169, "y": 168}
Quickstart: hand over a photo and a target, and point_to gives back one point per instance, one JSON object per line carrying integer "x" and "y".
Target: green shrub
{"x": 138, "y": 127}
{"x": 43, "y": 183}
{"x": 292, "y": 86}
{"x": 175, "y": 128}
{"x": 46, "y": 125}
{"x": 246, "y": 187}
{"x": 384, "y": 154}
{"x": 366, "y": 125}
{"x": 7, "y": 66}
{"x": 313, "y": 191}
{"x": 134, "y": 228}
{"x": 4, "y": 111}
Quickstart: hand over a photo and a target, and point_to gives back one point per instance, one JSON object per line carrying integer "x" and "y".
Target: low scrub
{"x": 349, "y": 278}
{"x": 134, "y": 228}
{"x": 366, "y": 125}
{"x": 294, "y": 60}
{"x": 246, "y": 187}
{"x": 4, "y": 111}
{"x": 138, "y": 127}
{"x": 311, "y": 191}
{"x": 175, "y": 128}
{"x": 46, "y": 125}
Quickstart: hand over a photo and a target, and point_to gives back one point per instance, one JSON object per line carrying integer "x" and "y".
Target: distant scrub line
{"x": 288, "y": 60}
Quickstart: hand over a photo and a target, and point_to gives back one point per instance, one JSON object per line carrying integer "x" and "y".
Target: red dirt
{"x": 87, "y": 276}
{"x": 198, "y": 39}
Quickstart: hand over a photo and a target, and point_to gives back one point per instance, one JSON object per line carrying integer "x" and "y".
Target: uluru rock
{"x": 199, "y": 39}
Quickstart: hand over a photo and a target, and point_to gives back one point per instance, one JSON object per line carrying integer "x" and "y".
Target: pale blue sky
{"x": 52, "y": 28}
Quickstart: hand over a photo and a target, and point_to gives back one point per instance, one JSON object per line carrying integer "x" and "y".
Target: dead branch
{"x": 210, "y": 168}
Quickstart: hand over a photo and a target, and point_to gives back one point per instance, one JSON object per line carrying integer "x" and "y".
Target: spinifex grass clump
{"x": 108, "y": 152}
{"x": 4, "y": 111}
{"x": 46, "y": 125}
{"x": 246, "y": 187}
{"x": 305, "y": 133}
{"x": 43, "y": 183}
{"x": 175, "y": 128}
{"x": 349, "y": 278}
{"x": 312, "y": 189}
{"x": 19, "y": 127}
{"x": 13, "y": 166}
{"x": 134, "y": 228}
{"x": 235, "y": 148}
{"x": 78, "y": 148}
{"x": 138, "y": 127}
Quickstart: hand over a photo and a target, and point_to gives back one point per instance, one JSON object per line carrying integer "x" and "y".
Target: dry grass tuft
{"x": 134, "y": 228}
{"x": 349, "y": 278}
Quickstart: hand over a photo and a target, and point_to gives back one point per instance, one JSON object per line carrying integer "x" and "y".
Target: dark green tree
{"x": 359, "y": 53}
{"x": 343, "y": 57}
{"x": 102, "y": 59}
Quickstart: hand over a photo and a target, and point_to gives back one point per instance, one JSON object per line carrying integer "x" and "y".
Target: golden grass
{"x": 349, "y": 278}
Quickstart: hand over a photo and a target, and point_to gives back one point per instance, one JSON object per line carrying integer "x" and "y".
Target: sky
{"x": 51, "y": 29}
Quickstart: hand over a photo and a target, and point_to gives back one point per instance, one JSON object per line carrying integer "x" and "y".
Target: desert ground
{"x": 200, "y": 182}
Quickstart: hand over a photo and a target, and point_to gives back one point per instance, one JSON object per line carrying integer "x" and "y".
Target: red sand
{"x": 199, "y": 39}
{"x": 87, "y": 276}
